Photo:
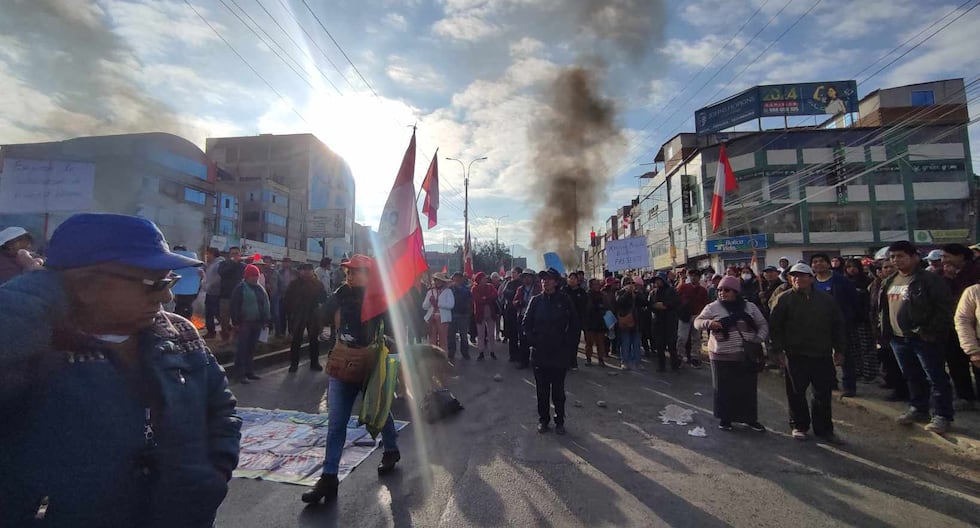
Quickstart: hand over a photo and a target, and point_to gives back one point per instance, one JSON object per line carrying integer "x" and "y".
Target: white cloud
{"x": 701, "y": 52}
{"x": 154, "y": 28}
{"x": 414, "y": 76}
{"x": 526, "y": 47}
{"x": 395, "y": 21}
{"x": 466, "y": 27}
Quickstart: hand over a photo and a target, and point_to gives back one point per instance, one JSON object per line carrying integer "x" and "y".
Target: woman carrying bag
{"x": 737, "y": 328}
{"x": 349, "y": 365}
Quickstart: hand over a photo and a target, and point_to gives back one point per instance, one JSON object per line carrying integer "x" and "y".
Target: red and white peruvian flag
{"x": 724, "y": 183}
{"x": 402, "y": 258}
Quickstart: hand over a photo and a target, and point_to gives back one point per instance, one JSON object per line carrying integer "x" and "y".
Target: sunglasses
{"x": 152, "y": 286}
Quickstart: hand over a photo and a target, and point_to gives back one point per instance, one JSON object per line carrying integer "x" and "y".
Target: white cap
{"x": 936, "y": 254}
{"x": 882, "y": 253}
{"x": 11, "y": 233}
{"x": 800, "y": 268}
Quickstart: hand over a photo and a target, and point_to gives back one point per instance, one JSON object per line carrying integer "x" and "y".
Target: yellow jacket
{"x": 967, "y": 320}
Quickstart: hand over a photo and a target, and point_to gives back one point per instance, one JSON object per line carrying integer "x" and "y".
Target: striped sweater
{"x": 730, "y": 349}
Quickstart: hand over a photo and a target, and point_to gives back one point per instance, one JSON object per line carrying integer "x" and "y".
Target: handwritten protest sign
{"x": 45, "y": 186}
{"x": 628, "y": 253}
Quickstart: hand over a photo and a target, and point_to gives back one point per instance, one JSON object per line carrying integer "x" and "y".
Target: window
{"x": 923, "y": 98}
{"x": 251, "y": 216}
{"x": 887, "y": 175}
{"x": 226, "y": 227}
{"x": 195, "y": 196}
{"x": 274, "y": 219}
{"x": 834, "y": 218}
{"x": 229, "y": 206}
{"x": 892, "y": 217}
{"x": 275, "y": 240}
{"x": 941, "y": 215}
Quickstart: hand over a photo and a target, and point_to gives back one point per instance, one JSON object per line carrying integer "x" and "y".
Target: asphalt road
{"x": 620, "y": 466}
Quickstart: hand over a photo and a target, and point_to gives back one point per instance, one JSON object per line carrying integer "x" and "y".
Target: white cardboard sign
{"x": 45, "y": 186}
{"x": 628, "y": 253}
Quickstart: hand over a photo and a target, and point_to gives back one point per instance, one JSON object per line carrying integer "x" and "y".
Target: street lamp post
{"x": 466, "y": 195}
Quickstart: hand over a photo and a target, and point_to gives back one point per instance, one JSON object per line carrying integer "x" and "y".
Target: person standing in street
{"x": 438, "y": 305}
{"x": 15, "y": 257}
{"x": 189, "y": 286}
{"x": 829, "y": 281}
{"x": 115, "y": 413}
{"x": 462, "y": 314}
{"x": 967, "y": 322}
{"x": 861, "y": 342}
{"x": 693, "y": 298}
{"x": 580, "y": 299}
{"x": 273, "y": 288}
{"x": 345, "y": 304}
{"x": 485, "y": 314}
{"x": 961, "y": 272}
{"x": 552, "y": 328}
{"x": 287, "y": 275}
{"x": 522, "y": 299}
{"x": 808, "y": 337}
{"x": 916, "y": 315}
{"x": 212, "y": 290}
{"x": 731, "y": 322}
{"x": 594, "y": 324}
{"x": 324, "y": 274}
{"x": 301, "y": 300}
{"x": 627, "y": 325}
{"x": 664, "y": 302}
{"x": 511, "y": 322}
{"x": 231, "y": 271}
{"x": 249, "y": 314}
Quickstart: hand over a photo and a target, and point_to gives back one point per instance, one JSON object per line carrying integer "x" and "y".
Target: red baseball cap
{"x": 358, "y": 262}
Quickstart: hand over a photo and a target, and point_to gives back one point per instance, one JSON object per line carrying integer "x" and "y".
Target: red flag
{"x": 430, "y": 207}
{"x": 445, "y": 268}
{"x": 724, "y": 183}
{"x": 401, "y": 259}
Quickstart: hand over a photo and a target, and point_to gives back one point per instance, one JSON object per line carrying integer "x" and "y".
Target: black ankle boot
{"x": 325, "y": 488}
{"x": 388, "y": 461}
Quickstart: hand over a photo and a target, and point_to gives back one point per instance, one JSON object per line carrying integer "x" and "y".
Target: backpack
{"x": 626, "y": 322}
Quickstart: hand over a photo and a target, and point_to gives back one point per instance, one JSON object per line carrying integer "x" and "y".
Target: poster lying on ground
{"x": 289, "y": 446}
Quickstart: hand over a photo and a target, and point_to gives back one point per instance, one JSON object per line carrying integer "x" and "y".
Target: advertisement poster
{"x": 289, "y": 446}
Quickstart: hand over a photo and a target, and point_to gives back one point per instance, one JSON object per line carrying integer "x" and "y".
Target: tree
{"x": 487, "y": 256}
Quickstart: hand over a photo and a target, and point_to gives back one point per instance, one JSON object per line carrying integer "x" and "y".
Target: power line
{"x": 298, "y": 46}
{"x": 315, "y": 44}
{"x": 339, "y": 47}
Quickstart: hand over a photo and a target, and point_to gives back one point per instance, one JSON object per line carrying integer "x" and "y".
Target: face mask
{"x": 746, "y": 276}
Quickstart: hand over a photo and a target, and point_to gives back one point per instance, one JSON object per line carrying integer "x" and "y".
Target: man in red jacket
{"x": 693, "y": 299}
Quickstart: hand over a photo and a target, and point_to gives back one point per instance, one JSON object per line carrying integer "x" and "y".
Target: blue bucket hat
{"x": 87, "y": 239}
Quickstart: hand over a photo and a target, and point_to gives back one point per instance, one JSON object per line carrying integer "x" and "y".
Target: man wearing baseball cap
{"x": 809, "y": 338}
{"x": 115, "y": 413}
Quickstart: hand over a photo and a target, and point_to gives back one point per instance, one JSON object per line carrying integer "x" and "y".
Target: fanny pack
{"x": 349, "y": 364}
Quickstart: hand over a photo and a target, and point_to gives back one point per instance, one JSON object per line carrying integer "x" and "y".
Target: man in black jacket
{"x": 580, "y": 299}
{"x": 552, "y": 327}
{"x": 231, "y": 272}
{"x": 664, "y": 302}
{"x": 916, "y": 314}
{"x": 511, "y": 321}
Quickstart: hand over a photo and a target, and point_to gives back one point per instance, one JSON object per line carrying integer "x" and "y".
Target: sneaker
{"x": 799, "y": 434}
{"x": 938, "y": 425}
{"x": 325, "y": 489}
{"x": 560, "y": 429}
{"x": 480, "y": 357}
{"x": 493, "y": 355}
{"x": 911, "y": 416}
{"x": 543, "y": 428}
{"x": 757, "y": 427}
{"x": 388, "y": 461}
{"x": 725, "y": 426}
{"x": 964, "y": 405}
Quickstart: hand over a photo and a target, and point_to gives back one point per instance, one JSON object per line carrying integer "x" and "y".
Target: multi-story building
{"x": 902, "y": 170}
{"x": 161, "y": 177}
{"x": 315, "y": 177}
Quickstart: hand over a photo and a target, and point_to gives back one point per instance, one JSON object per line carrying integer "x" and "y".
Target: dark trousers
{"x": 960, "y": 371}
{"x": 314, "y": 337}
{"x": 523, "y": 349}
{"x": 512, "y": 331}
{"x": 550, "y": 383}
{"x": 184, "y": 305}
{"x": 212, "y": 311}
{"x": 248, "y": 340}
{"x": 892, "y": 373}
{"x": 646, "y": 333}
{"x": 849, "y": 366}
{"x": 803, "y": 372}
{"x": 929, "y": 387}
{"x": 459, "y": 327}
{"x": 282, "y": 322}
{"x": 665, "y": 342}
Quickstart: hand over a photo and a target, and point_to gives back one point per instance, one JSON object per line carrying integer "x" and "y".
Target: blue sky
{"x": 472, "y": 74}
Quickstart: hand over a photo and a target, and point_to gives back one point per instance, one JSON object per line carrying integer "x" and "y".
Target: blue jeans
{"x": 340, "y": 398}
{"x": 912, "y": 350}
{"x": 629, "y": 347}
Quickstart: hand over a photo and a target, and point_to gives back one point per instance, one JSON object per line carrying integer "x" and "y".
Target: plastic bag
{"x": 264, "y": 335}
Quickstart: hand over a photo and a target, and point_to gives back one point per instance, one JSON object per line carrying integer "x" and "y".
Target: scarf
{"x": 736, "y": 313}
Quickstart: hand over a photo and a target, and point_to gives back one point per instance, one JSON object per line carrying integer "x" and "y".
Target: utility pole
{"x": 496, "y": 225}
{"x": 466, "y": 197}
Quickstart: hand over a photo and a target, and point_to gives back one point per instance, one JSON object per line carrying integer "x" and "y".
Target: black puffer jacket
{"x": 927, "y": 311}
{"x": 552, "y": 326}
